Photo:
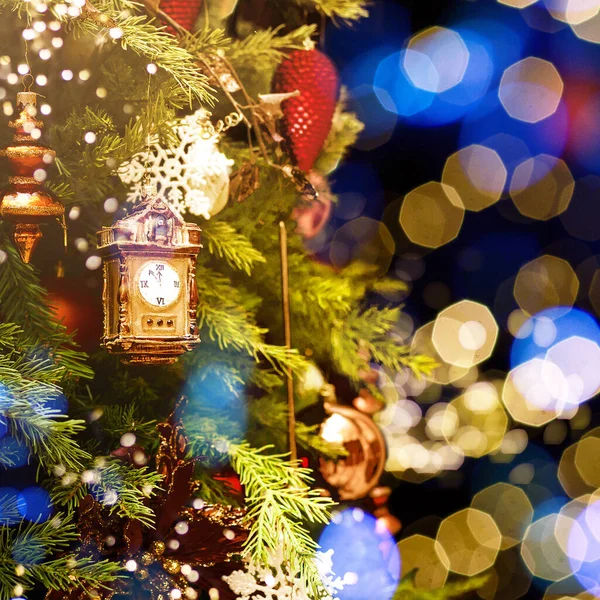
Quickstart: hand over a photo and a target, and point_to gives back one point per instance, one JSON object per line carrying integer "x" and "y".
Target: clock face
{"x": 159, "y": 283}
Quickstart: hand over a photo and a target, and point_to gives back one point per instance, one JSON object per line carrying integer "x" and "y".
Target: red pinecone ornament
{"x": 307, "y": 117}
{"x": 184, "y": 12}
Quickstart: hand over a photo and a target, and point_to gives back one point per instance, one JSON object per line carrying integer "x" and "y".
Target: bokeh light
{"x": 481, "y": 421}
{"x": 444, "y": 373}
{"x": 465, "y": 333}
{"x": 531, "y": 90}
{"x": 510, "y": 508}
{"x": 549, "y": 327}
{"x": 471, "y": 540}
{"x": 573, "y": 12}
{"x": 584, "y": 542}
{"x": 436, "y": 59}
{"x": 478, "y": 176}
{"x": 568, "y": 472}
{"x": 544, "y": 547}
{"x": 363, "y": 240}
{"x": 588, "y": 30}
{"x": 432, "y": 214}
{"x": 214, "y": 391}
{"x": 542, "y": 187}
{"x": 518, "y": 3}
{"x": 365, "y": 554}
{"x": 543, "y": 283}
{"x": 530, "y": 394}
{"x": 427, "y": 556}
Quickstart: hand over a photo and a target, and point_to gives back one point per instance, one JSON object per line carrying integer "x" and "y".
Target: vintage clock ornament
{"x": 150, "y": 295}
{"x": 26, "y": 202}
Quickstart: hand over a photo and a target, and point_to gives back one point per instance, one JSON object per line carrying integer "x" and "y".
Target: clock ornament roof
{"x": 151, "y": 222}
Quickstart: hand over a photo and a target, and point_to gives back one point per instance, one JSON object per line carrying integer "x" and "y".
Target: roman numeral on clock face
{"x": 176, "y": 284}
{"x": 144, "y": 283}
{"x": 160, "y": 301}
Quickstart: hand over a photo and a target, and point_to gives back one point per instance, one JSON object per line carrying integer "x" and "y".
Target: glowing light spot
{"x": 436, "y": 59}
{"x": 545, "y": 282}
{"x": 111, "y": 205}
{"x": 90, "y": 137}
{"x": 41, "y": 80}
{"x": 427, "y": 556}
{"x": 45, "y": 54}
{"x": 573, "y": 12}
{"x": 471, "y": 540}
{"x": 364, "y": 551}
{"x": 182, "y": 527}
{"x": 542, "y": 187}
{"x": 544, "y": 547}
{"x": 531, "y": 89}
{"x": 93, "y": 262}
{"x": 534, "y": 392}
{"x": 23, "y": 69}
{"x": 477, "y": 340}
{"x": 479, "y": 431}
{"x": 432, "y": 215}
{"x": 67, "y": 74}
{"x": 510, "y": 508}
{"x": 131, "y": 565}
{"x": 578, "y": 359}
{"x": 152, "y": 68}
{"x": 478, "y": 176}
{"x": 128, "y": 440}
{"x": 518, "y": 3}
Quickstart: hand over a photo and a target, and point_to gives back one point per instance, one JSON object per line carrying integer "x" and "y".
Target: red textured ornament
{"x": 307, "y": 117}
{"x": 183, "y": 12}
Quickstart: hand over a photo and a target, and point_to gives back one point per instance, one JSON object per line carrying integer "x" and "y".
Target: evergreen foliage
{"x": 240, "y": 368}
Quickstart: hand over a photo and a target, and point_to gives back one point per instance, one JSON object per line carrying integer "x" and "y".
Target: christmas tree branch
{"x": 347, "y": 10}
{"x": 117, "y": 20}
{"x": 225, "y": 242}
{"x": 139, "y": 34}
{"x": 114, "y": 484}
{"x": 29, "y": 394}
{"x": 270, "y": 414}
{"x": 371, "y": 330}
{"x": 456, "y": 589}
{"x": 268, "y": 47}
{"x": 279, "y": 498}
{"x": 119, "y": 419}
{"x": 24, "y": 548}
{"x": 222, "y": 313}
{"x": 23, "y": 302}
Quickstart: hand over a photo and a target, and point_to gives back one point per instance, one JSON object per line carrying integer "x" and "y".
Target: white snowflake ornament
{"x": 276, "y": 583}
{"x": 194, "y": 176}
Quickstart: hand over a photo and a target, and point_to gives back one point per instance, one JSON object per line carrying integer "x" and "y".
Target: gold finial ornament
{"x": 26, "y": 202}
{"x": 150, "y": 295}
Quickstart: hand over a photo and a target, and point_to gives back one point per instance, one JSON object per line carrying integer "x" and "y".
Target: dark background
{"x": 492, "y": 244}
